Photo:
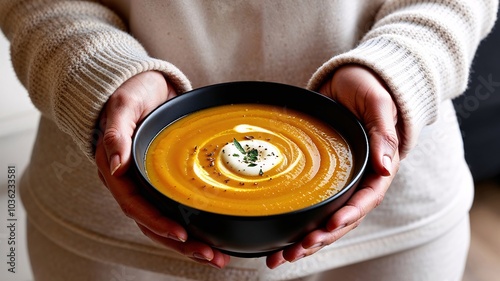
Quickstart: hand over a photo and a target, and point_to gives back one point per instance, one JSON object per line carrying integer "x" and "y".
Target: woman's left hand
{"x": 363, "y": 93}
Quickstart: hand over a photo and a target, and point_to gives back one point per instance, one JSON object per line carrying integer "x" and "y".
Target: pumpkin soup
{"x": 248, "y": 159}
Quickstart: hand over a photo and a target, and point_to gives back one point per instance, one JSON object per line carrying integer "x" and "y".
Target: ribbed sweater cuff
{"x": 407, "y": 75}
{"x": 91, "y": 86}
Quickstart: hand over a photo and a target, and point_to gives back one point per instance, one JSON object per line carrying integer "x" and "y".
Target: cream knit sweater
{"x": 72, "y": 55}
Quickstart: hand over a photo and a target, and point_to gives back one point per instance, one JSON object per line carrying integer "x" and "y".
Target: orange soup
{"x": 248, "y": 159}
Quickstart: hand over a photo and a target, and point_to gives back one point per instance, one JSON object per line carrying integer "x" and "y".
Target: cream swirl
{"x": 235, "y": 164}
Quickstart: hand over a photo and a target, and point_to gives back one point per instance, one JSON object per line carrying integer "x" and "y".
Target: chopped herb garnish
{"x": 251, "y": 156}
{"x": 238, "y": 146}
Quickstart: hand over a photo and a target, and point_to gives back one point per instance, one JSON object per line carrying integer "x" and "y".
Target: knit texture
{"x": 71, "y": 56}
{"x": 422, "y": 50}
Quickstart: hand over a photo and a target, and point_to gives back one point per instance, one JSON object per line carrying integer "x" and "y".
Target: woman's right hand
{"x": 128, "y": 105}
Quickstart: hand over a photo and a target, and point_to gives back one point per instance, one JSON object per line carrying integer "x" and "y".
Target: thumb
{"x": 365, "y": 94}
{"x": 131, "y": 102}
{"x": 381, "y": 128}
{"x": 380, "y": 120}
{"x": 119, "y": 124}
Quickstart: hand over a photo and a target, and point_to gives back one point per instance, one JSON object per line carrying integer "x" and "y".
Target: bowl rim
{"x": 356, "y": 177}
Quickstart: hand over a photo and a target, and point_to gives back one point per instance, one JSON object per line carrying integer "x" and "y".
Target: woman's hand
{"x": 130, "y": 103}
{"x": 364, "y": 94}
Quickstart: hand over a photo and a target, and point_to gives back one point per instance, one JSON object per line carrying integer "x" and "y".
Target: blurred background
{"x": 478, "y": 111}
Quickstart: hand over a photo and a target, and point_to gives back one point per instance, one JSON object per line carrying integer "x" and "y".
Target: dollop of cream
{"x": 259, "y": 157}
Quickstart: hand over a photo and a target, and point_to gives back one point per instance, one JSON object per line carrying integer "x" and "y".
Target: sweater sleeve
{"x": 71, "y": 56}
{"x": 423, "y": 51}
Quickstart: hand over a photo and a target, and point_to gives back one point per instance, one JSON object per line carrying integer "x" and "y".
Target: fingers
{"x": 151, "y": 221}
{"x": 311, "y": 244}
{"x": 134, "y": 205}
{"x": 195, "y": 250}
{"x": 370, "y": 194}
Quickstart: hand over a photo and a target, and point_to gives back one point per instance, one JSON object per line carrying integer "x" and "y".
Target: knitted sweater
{"x": 72, "y": 55}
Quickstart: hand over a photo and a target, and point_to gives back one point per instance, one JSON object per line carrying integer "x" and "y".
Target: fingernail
{"x": 338, "y": 228}
{"x": 200, "y": 256}
{"x": 387, "y": 162}
{"x": 114, "y": 163}
{"x": 175, "y": 237}
{"x": 280, "y": 263}
{"x": 214, "y": 265}
{"x": 298, "y": 258}
{"x": 317, "y": 245}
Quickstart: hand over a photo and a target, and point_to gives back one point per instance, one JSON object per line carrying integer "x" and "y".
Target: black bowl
{"x": 251, "y": 236}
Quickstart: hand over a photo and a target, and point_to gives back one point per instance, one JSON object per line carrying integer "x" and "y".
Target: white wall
{"x": 18, "y": 122}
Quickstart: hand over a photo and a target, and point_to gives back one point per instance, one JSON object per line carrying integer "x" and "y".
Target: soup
{"x": 249, "y": 160}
